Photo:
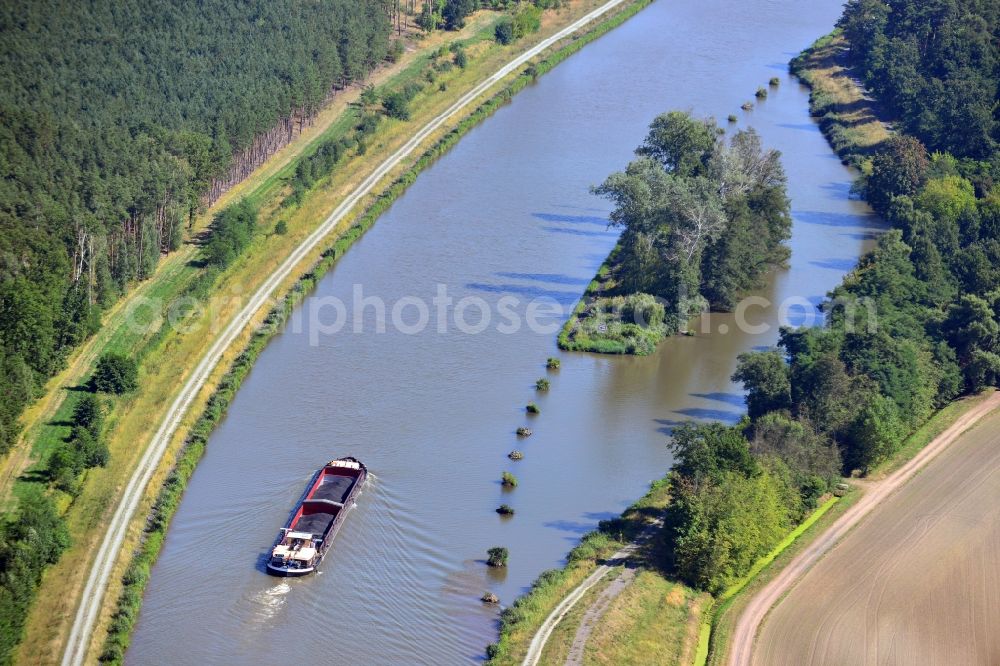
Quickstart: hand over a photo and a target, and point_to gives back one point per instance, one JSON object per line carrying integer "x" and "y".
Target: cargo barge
{"x": 314, "y": 523}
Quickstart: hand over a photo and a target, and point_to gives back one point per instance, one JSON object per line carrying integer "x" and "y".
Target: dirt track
{"x": 594, "y": 614}
{"x": 919, "y": 582}
{"x": 541, "y": 636}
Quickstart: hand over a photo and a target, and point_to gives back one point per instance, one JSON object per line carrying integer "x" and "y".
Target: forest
{"x": 701, "y": 221}
{"x": 120, "y": 121}
{"x": 915, "y": 325}
{"x": 934, "y": 66}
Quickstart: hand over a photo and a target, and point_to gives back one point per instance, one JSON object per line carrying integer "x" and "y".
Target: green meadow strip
{"x": 137, "y": 575}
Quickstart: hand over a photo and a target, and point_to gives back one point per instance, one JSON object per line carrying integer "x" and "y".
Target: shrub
{"x": 497, "y": 556}
{"x": 532, "y": 408}
{"x": 396, "y": 106}
{"x": 64, "y": 468}
{"x": 89, "y": 414}
{"x": 461, "y": 59}
{"x": 515, "y": 455}
{"x": 527, "y": 21}
{"x": 643, "y": 310}
{"x": 524, "y": 432}
{"x": 505, "y": 510}
{"x": 774, "y": 82}
{"x": 115, "y": 373}
{"x": 395, "y": 51}
{"x": 542, "y": 384}
{"x": 508, "y": 480}
{"x": 230, "y": 234}
{"x": 503, "y": 32}
{"x": 761, "y": 93}
{"x": 91, "y": 451}
{"x": 281, "y": 228}
{"x": 732, "y": 118}
{"x": 553, "y": 363}
{"x": 746, "y": 106}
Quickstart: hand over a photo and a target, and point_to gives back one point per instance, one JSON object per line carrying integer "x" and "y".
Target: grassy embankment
{"x": 168, "y": 356}
{"x": 604, "y": 324}
{"x": 634, "y": 611}
{"x": 653, "y": 620}
{"x": 847, "y": 116}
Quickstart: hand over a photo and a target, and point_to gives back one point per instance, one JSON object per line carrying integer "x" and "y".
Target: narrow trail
{"x": 745, "y": 633}
{"x": 90, "y": 605}
{"x": 541, "y": 637}
{"x": 596, "y": 611}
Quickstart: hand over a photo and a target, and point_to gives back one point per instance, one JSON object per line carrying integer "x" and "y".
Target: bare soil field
{"x": 917, "y": 582}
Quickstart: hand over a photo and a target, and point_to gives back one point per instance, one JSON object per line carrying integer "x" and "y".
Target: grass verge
{"x": 654, "y": 620}
{"x": 558, "y": 646}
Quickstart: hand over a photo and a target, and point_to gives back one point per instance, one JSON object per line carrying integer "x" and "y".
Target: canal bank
{"x": 433, "y": 414}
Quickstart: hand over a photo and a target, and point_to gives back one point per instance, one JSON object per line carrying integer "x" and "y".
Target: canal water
{"x": 505, "y": 215}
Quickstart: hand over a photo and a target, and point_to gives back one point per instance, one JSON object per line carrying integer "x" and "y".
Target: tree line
{"x": 917, "y": 323}
{"x": 35, "y": 535}
{"x": 735, "y": 493}
{"x": 121, "y": 119}
{"x": 914, "y": 326}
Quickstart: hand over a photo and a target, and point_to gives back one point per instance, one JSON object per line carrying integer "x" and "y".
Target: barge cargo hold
{"x": 314, "y": 523}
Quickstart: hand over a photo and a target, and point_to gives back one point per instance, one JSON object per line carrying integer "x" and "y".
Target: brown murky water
{"x": 507, "y": 213}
